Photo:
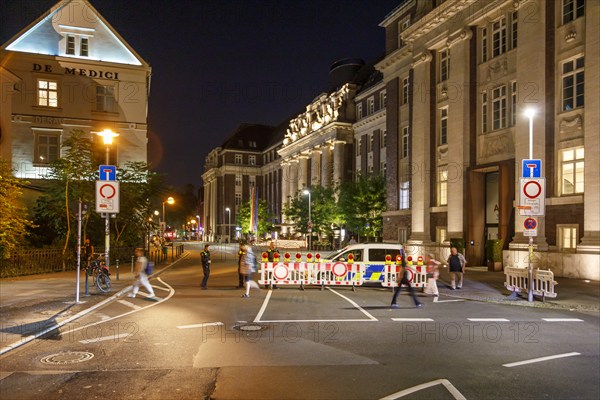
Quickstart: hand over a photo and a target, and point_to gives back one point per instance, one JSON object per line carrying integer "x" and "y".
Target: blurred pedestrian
{"x": 140, "y": 276}
{"x": 456, "y": 263}
{"x": 248, "y": 268}
{"x": 88, "y": 251}
{"x": 432, "y": 275}
{"x": 240, "y": 256}
{"x": 352, "y": 240}
{"x": 271, "y": 257}
{"x": 403, "y": 280}
{"x": 205, "y": 259}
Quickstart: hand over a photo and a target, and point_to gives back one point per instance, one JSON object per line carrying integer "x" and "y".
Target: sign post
{"x": 107, "y": 202}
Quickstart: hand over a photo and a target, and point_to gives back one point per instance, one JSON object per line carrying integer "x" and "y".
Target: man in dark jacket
{"x": 205, "y": 258}
{"x": 403, "y": 280}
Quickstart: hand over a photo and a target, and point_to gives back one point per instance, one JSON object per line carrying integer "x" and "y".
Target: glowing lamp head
{"x": 529, "y": 113}
{"x": 107, "y": 136}
{"x": 171, "y": 200}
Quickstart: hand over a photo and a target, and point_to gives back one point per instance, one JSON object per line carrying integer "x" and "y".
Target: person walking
{"x": 403, "y": 280}
{"x": 247, "y": 268}
{"x": 432, "y": 274}
{"x": 456, "y": 263}
{"x": 240, "y": 276}
{"x": 140, "y": 277}
{"x": 205, "y": 259}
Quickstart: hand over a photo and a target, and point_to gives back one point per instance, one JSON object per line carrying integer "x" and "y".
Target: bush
{"x": 493, "y": 250}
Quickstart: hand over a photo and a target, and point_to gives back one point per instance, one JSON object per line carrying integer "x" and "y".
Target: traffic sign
{"x": 532, "y": 196}
{"x": 530, "y": 225}
{"x": 107, "y": 197}
{"x": 532, "y": 168}
{"x": 108, "y": 173}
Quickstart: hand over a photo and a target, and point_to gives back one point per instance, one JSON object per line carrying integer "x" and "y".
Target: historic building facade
{"x": 70, "y": 70}
{"x": 459, "y": 75}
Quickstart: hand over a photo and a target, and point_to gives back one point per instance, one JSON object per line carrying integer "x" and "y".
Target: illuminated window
{"x": 84, "y": 47}
{"x": 405, "y": 91}
{"x": 441, "y": 234}
{"x": 444, "y": 126}
{"x": 359, "y": 111}
{"x": 47, "y": 148}
{"x": 382, "y": 100}
{"x": 484, "y": 44}
{"x": 383, "y": 168}
{"x": 70, "y": 45}
{"x": 370, "y": 149}
{"x": 238, "y": 159}
{"x": 513, "y": 103}
{"x": 105, "y": 98}
{"x": 572, "y": 170}
{"x": 382, "y": 138}
{"x": 499, "y": 107}
{"x": 238, "y": 180}
{"x": 515, "y": 21}
{"x": 405, "y": 142}
{"x": 404, "y": 195}
{"x": 499, "y": 37}
{"x": 370, "y": 105}
{"x": 47, "y": 93}
{"x": 444, "y": 65}
{"x": 567, "y": 236}
{"x": 573, "y": 78}
{"x": 572, "y": 9}
{"x": 442, "y": 186}
{"x": 252, "y": 181}
{"x": 252, "y": 160}
{"x": 238, "y": 199}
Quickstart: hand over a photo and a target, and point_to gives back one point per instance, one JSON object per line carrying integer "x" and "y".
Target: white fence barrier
{"x": 417, "y": 275}
{"x": 517, "y": 280}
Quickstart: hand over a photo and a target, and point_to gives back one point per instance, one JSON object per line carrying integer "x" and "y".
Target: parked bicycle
{"x": 101, "y": 274}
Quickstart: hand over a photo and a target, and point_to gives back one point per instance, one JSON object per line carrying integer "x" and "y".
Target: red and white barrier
{"x": 338, "y": 274}
{"x": 284, "y": 273}
{"x": 417, "y": 275}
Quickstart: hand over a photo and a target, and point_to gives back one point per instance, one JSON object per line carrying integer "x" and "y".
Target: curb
{"x": 82, "y": 313}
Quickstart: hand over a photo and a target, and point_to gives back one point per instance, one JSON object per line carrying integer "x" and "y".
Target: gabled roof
{"x": 43, "y": 35}
{"x": 246, "y": 135}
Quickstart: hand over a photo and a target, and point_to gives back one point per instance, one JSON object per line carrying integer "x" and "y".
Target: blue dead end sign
{"x": 532, "y": 168}
{"x": 108, "y": 173}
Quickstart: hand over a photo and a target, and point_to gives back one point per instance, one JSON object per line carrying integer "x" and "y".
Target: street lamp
{"x": 107, "y": 136}
{"x": 228, "y": 224}
{"x": 309, "y": 225}
{"x": 170, "y": 200}
{"x": 530, "y": 113}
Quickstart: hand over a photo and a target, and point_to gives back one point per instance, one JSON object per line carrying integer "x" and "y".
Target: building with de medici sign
{"x": 69, "y": 70}
{"x": 459, "y": 76}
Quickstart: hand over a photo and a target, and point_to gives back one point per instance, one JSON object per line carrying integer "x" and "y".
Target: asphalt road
{"x": 312, "y": 344}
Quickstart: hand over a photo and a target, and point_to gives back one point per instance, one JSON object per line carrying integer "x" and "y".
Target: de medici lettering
{"x": 80, "y": 71}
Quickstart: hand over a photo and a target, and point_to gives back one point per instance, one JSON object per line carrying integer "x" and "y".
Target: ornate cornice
{"x": 423, "y": 57}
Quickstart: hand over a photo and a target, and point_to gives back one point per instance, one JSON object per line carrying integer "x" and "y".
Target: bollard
{"x": 87, "y": 285}
{"x": 117, "y": 267}
{"x": 132, "y": 258}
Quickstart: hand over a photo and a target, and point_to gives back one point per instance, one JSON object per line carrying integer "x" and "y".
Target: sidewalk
{"x": 32, "y": 304}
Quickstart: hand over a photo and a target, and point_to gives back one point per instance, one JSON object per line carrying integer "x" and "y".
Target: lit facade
{"x": 70, "y": 70}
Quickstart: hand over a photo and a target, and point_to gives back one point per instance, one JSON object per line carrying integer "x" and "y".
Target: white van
{"x": 372, "y": 255}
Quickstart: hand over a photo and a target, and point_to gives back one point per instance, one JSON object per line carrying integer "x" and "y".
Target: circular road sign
{"x": 530, "y": 223}
{"x": 532, "y": 189}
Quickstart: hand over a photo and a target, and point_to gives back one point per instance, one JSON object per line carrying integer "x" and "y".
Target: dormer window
{"x": 84, "y": 47}
{"x": 70, "y": 45}
{"x": 76, "y": 40}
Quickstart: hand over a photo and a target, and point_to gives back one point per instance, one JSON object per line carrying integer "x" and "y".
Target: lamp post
{"x": 107, "y": 136}
{"x": 228, "y": 224}
{"x": 170, "y": 200}
{"x": 309, "y": 225}
{"x": 530, "y": 113}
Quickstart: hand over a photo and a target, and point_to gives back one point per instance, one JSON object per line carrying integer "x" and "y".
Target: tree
{"x": 362, "y": 203}
{"x": 13, "y": 215}
{"x": 324, "y": 211}
{"x": 265, "y": 218}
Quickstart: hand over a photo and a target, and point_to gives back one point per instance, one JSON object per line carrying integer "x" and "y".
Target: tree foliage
{"x": 362, "y": 202}
{"x": 13, "y": 214}
{"x": 324, "y": 212}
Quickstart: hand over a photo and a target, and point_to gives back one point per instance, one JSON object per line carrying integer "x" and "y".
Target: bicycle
{"x": 101, "y": 274}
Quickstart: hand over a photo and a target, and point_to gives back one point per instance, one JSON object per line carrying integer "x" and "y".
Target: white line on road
{"x": 264, "y": 306}
{"x": 412, "y": 319}
{"x": 435, "y": 300}
{"x": 562, "y": 319}
{"x": 160, "y": 288}
{"x": 105, "y": 338}
{"x": 488, "y": 319}
{"x": 450, "y": 387}
{"x": 200, "y": 325}
{"x": 372, "y": 318}
{"x": 129, "y": 304}
{"x": 535, "y": 360}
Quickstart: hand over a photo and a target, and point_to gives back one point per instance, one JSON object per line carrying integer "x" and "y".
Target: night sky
{"x": 216, "y": 64}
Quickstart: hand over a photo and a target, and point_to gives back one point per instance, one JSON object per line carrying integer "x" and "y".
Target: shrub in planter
{"x": 493, "y": 254}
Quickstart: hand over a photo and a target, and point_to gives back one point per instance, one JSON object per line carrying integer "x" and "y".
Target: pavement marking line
{"x": 105, "y": 338}
{"x": 412, "y": 319}
{"x": 435, "y": 300}
{"x": 29, "y": 338}
{"x": 263, "y": 307}
{"x": 372, "y": 318}
{"x": 445, "y": 382}
{"x": 488, "y": 320}
{"x": 536, "y": 360}
{"x": 129, "y": 304}
{"x": 201, "y": 325}
{"x": 562, "y": 320}
{"x": 160, "y": 288}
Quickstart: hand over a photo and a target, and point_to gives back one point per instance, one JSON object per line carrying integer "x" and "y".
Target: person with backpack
{"x": 248, "y": 266}
{"x": 205, "y": 259}
{"x": 140, "y": 275}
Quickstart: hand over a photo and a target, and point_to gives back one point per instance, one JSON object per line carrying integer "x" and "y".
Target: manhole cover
{"x": 69, "y": 357}
{"x": 250, "y": 328}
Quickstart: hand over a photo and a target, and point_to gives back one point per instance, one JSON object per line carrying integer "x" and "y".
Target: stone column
{"x": 421, "y": 164}
{"x": 326, "y": 166}
{"x": 531, "y": 56}
{"x": 285, "y": 171}
{"x": 458, "y": 131}
{"x": 315, "y": 168}
{"x": 338, "y": 161}
{"x": 591, "y": 122}
{"x": 302, "y": 172}
{"x": 293, "y": 184}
